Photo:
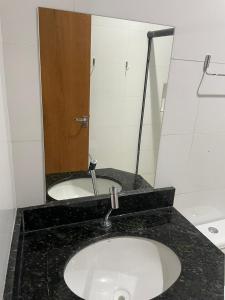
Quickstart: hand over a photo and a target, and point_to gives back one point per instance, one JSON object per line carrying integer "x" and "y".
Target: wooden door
{"x": 65, "y": 46}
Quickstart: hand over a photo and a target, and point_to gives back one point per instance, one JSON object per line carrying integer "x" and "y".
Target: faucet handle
{"x": 92, "y": 165}
{"x": 114, "y": 197}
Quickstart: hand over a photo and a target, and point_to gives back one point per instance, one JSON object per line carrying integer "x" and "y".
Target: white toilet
{"x": 215, "y": 232}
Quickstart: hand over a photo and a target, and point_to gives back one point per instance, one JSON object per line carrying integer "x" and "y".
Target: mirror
{"x": 104, "y": 84}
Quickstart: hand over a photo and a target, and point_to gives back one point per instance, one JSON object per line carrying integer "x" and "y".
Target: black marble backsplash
{"x": 129, "y": 181}
{"x": 83, "y": 209}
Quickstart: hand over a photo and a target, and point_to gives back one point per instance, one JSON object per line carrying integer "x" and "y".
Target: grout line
{"x": 21, "y": 44}
{"x": 197, "y": 61}
{"x": 74, "y": 5}
{"x": 200, "y": 191}
{"x": 26, "y": 141}
{"x": 194, "y": 131}
{"x": 218, "y": 133}
{"x": 183, "y": 133}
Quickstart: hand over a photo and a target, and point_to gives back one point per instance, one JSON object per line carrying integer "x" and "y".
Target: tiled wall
{"x": 192, "y": 146}
{"x": 7, "y": 192}
{"x": 193, "y": 141}
{"x": 20, "y": 41}
{"x": 116, "y": 94}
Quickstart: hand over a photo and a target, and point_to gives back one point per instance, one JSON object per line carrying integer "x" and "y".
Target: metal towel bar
{"x": 205, "y": 72}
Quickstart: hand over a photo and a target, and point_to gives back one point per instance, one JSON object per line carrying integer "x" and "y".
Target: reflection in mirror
{"x": 104, "y": 84}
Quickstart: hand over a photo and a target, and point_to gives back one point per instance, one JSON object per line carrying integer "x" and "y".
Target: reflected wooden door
{"x": 65, "y": 46}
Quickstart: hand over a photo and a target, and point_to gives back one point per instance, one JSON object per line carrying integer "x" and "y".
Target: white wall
{"x": 7, "y": 192}
{"x": 193, "y": 142}
{"x": 20, "y": 42}
{"x": 116, "y": 94}
{"x": 193, "y": 136}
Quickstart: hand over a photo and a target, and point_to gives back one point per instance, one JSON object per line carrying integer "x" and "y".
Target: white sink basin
{"x": 124, "y": 268}
{"x": 80, "y": 187}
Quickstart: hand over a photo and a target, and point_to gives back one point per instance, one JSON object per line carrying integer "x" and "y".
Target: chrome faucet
{"x": 114, "y": 205}
{"x": 91, "y": 171}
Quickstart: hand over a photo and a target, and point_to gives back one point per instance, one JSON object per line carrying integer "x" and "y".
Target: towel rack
{"x": 205, "y": 72}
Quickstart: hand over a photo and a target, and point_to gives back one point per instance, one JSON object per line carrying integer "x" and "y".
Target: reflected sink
{"x": 80, "y": 187}
{"x": 123, "y": 268}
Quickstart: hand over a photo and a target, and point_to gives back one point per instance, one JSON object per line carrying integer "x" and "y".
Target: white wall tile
{"x": 6, "y": 177}
{"x": 206, "y": 165}
{"x": 211, "y": 113}
{"x": 129, "y": 134}
{"x": 135, "y": 84}
{"x": 147, "y": 161}
{"x": 112, "y": 111}
{"x": 108, "y": 79}
{"x": 194, "y": 168}
{"x": 29, "y": 173}
{"x": 116, "y": 94}
{"x": 203, "y": 165}
{"x": 181, "y": 101}
{"x": 19, "y": 18}
{"x": 7, "y": 189}
{"x": 213, "y": 86}
{"x": 109, "y": 37}
{"x": 211, "y": 116}
{"x": 23, "y": 90}
{"x": 159, "y": 46}
{"x": 198, "y": 31}
{"x": 172, "y": 162}
{"x": 191, "y": 163}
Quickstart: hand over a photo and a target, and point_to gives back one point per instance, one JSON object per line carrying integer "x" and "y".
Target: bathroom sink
{"x": 122, "y": 268}
{"x": 80, "y": 187}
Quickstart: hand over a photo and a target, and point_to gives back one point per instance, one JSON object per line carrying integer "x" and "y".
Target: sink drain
{"x": 121, "y": 295}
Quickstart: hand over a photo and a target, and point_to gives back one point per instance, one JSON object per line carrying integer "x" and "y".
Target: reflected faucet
{"x": 114, "y": 205}
{"x": 91, "y": 170}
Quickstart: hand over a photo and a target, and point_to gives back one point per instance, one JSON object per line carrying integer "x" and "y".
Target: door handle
{"x": 84, "y": 121}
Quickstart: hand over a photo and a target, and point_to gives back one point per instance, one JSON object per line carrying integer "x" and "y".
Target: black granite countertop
{"x": 127, "y": 180}
{"x": 48, "y": 245}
